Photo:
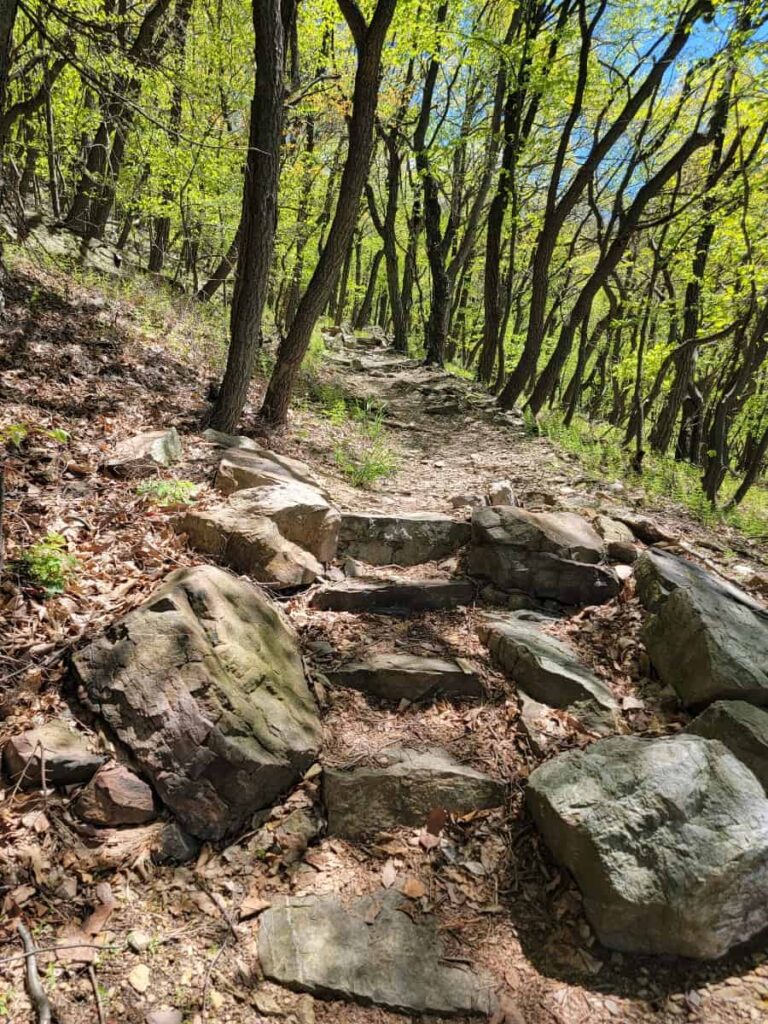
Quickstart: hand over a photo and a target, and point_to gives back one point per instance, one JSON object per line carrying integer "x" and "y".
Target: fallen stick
{"x": 34, "y": 986}
{"x": 96, "y": 996}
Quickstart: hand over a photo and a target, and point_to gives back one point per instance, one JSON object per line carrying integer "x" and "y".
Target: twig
{"x": 208, "y": 973}
{"x": 96, "y": 996}
{"x": 55, "y": 949}
{"x": 34, "y": 986}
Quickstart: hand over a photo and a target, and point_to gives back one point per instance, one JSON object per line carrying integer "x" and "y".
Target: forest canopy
{"x": 564, "y": 199}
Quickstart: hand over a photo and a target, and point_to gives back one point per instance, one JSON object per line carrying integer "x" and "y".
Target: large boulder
{"x": 301, "y": 514}
{"x": 393, "y": 597}
{"x": 370, "y": 952}
{"x": 251, "y": 544}
{"x": 546, "y": 668}
{"x": 405, "y": 539}
{"x": 742, "y": 727}
{"x": 204, "y": 684}
{"x": 551, "y": 555}
{"x": 365, "y": 800}
{"x": 667, "y": 839}
{"x": 706, "y": 638}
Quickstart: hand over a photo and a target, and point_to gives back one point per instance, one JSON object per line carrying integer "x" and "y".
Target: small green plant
{"x": 57, "y": 434}
{"x": 48, "y": 564}
{"x": 14, "y": 434}
{"x": 363, "y": 469}
{"x": 168, "y": 492}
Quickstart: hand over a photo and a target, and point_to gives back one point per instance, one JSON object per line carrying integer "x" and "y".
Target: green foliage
{"x": 599, "y": 448}
{"x": 14, "y": 434}
{"x": 48, "y": 565}
{"x": 168, "y": 492}
{"x": 364, "y": 468}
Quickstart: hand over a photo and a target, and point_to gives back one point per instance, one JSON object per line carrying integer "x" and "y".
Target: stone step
{"x": 406, "y": 539}
{"x": 393, "y": 597}
{"x": 365, "y": 800}
{"x": 409, "y": 677}
{"x": 370, "y": 951}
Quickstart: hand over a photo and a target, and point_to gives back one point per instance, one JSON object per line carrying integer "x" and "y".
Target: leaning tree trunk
{"x": 369, "y": 40}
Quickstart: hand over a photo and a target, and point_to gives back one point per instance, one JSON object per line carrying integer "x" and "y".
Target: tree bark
{"x": 259, "y": 212}
{"x": 369, "y": 40}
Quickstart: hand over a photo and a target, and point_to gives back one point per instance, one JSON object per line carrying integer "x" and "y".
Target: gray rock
{"x": 551, "y": 555}
{"x": 204, "y": 684}
{"x": 250, "y": 544}
{"x": 618, "y": 539}
{"x": 501, "y": 492}
{"x": 667, "y": 840}
{"x": 67, "y": 756}
{"x": 139, "y": 455}
{"x": 468, "y": 500}
{"x": 706, "y": 638}
{"x": 546, "y": 668}
{"x": 742, "y": 727}
{"x": 393, "y": 597}
{"x": 362, "y": 801}
{"x": 244, "y": 467}
{"x": 409, "y": 677}
{"x": 405, "y": 539}
{"x": 301, "y": 514}
{"x": 370, "y": 952}
{"x": 115, "y": 796}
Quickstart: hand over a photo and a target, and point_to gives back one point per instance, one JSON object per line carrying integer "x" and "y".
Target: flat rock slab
{"x": 136, "y": 456}
{"x": 409, "y": 677}
{"x": 204, "y": 684}
{"x": 550, "y": 555}
{"x": 393, "y": 597}
{"x": 743, "y": 728}
{"x": 546, "y": 668}
{"x": 406, "y": 539}
{"x": 667, "y": 840}
{"x": 251, "y": 544}
{"x": 706, "y": 638}
{"x": 66, "y": 754}
{"x": 401, "y": 793}
{"x": 116, "y": 796}
{"x": 370, "y": 952}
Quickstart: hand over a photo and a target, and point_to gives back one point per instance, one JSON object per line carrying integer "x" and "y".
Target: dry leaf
{"x": 436, "y": 821}
{"x": 251, "y": 906}
{"x": 428, "y": 841}
{"x": 413, "y": 888}
{"x": 388, "y": 874}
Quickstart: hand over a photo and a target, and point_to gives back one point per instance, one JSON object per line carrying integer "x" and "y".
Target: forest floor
{"x": 73, "y": 360}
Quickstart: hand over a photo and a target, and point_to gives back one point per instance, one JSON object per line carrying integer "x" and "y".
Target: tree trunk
{"x": 259, "y": 212}
{"x": 369, "y": 40}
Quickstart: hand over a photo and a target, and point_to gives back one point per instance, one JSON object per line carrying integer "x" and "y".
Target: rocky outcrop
{"x": 137, "y": 456}
{"x": 742, "y": 728}
{"x": 276, "y": 525}
{"x": 706, "y": 638}
{"x": 409, "y": 677}
{"x": 249, "y": 544}
{"x": 365, "y": 800}
{"x": 115, "y": 796}
{"x": 546, "y": 668}
{"x": 204, "y": 684}
{"x": 394, "y": 596}
{"x": 66, "y": 754}
{"x": 550, "y": 555}
{"x": 369, "y": 952}
{"x": 667, "y": 840}
{"x": 405, "y": 539}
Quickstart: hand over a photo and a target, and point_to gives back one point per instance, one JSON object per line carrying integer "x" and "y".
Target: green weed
{"x": 48, "y": 565}
{"x": 363, "y": 469}
{"x": 168, "y": 492}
